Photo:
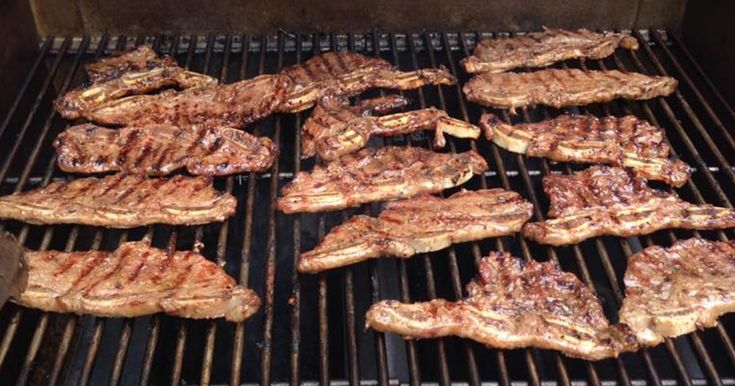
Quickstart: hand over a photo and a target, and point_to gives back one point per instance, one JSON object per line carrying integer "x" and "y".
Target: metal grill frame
{"x": 54, "y": 349}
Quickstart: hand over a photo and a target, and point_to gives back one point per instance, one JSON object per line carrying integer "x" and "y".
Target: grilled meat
{"x": 626, "y": 141}
{"x": 140, "y": 58}
{"x": 232, "y": 105}
{"x": 344, "y": 74}
{"x": 336, "y": 129}
{"x": 330, "y": 75}
{"x": 514, "y": 304}
{"x": 604, "y": 200}
{"x": 134, "y": 280}
{"x": 162, "y": 149}
{"x": 383, "y": 174}
{"x": 121, "y": 201}
{"x": 540, "y": 49}
{"x": 559, "y": 88}
{"x": 673, "y": 291}
{"x": 136, "y": 72}
{"x": 421, "y": 224}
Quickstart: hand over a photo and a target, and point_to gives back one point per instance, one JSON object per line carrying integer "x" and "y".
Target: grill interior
{"x": 310, "y": 328}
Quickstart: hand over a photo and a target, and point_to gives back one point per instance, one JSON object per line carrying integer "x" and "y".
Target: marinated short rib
{"x": 135, "y": 280}
{"x": 162, "y": 149}
{"x": 135, "y": 72}
{"x": 335, "y": 128}
{"x": 232, "y": 105}
{"x": 604, "y": 200}
{"x": 371, "y": 175}
{"x": 421, "y": 224}
{"x": 514, "y": 304}
{"x": 674, "y": 291}
{"x": 344, "y": 74}
{"x": 564, "y": 87}
{"x": 626, "y": 141}
{"x": 539, "y": 49}
{"x": 121, "y": 201}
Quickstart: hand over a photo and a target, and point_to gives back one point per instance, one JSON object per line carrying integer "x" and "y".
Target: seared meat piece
{"x": 540, "y": 49}
{"x": 559, "y": 88}
{"x": 383, "y": 174}
{"x": 673, "y": 291}
{"x": 121, "y": 201}
{"x": 232, "y": 105}
{"x": 421, "y": 224}
{"x": 344, "y": 74}
{"x": 140, "y": 58}
{"x": 626, "y": 141}
{"x": 135, "y": 280}
{"x": 335, "y": 129}
{"x": 603, "y": 200}
{"x": 514, "y": 304}
{"x": 135, "y": 72}
{"x": 162, "y": 149}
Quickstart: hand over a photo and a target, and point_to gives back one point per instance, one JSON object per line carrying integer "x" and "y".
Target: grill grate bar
{"x": 270, "y": 275}
{"x": 237, "y": 355}
{"x": 681, "y": 74}
{"x": 348, "y": 283}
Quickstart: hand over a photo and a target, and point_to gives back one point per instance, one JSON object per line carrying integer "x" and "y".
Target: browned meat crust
{"x": 421, "y": 224}
{"x": 564, "y": 87}
{"x": 335, "y": 129}
{"x": 344, "y": 74}
{"x": 134, "y": 72}
{"x": 232, "y": 105}
{"x": 140, "y": 58}
{"x": 603, "y": 200}
{"x": 514, "y": 304}
{"x": 121, "y": 201}
{"x": 540, "y": 49}
{"x": 626, "y": 141}
{"x": 383, "y": 174}
{"x": 162, "y": 149}
{"x": 674, "y": 291}
{"x": 135, "y": 280}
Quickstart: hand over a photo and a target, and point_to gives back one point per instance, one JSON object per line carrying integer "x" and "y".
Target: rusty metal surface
{"x": 80, "y": 17}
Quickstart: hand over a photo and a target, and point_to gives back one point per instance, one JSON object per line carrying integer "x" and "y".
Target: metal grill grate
{"x": 311, "y": 327}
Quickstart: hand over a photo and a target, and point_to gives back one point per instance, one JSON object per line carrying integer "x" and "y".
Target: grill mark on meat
{"x": 105, "y": 203}
{"x": 86, "y": 271}
{"x": 110, "y": 187}
{"x": 139, "y": 267}
{"x": 418, "y": 225}
{"x": 560, "y": 87}
{"x": 539, "y": 49}
{"x": 377, "y": 175}
{"x": 233, "y": 105}
{"x": 117, "y": 77}
{"x": 144, "y": 154}
{"x": 625, "y": 141}
{"x": 677, "y": 290}
{"x": 603, "y": 200}
{"x": 110, "y": 274}
{"x": 514, "y": 304}
{"x": 161, "y": 149}
{"x": 333, "y": 75}
{"x": 336, "y": 129}
{"x": 120, "y": 287}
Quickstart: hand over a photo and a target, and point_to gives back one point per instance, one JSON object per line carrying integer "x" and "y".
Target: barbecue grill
{"x": 311, "y": 327}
